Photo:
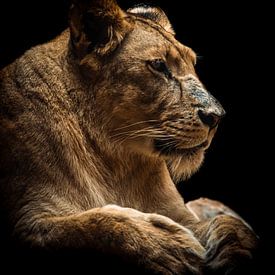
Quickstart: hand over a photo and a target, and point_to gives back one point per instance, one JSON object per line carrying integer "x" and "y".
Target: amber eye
{"x": 160, "y": 66}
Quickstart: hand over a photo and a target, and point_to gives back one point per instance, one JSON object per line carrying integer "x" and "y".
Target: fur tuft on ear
{"x": 153, "y": 13}
{"x": 97, "y": 25}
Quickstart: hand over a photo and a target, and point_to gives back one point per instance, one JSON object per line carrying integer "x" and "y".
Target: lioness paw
{"x": 159, "y": 244}
{"x": 230, "y": 244}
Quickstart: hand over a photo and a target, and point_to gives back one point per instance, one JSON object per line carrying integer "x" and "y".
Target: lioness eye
{"x": 160, "y": 66}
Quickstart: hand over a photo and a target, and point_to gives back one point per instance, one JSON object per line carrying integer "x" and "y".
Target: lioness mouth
{"x": 170, "y": 147}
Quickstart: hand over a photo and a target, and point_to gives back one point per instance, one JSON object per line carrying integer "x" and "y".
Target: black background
{"x": 230, "y": 40}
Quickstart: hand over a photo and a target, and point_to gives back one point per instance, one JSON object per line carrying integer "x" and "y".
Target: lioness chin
{"x": 94, "y": 126}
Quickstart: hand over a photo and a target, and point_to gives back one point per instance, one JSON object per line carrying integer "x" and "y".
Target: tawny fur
{"x": 79, "y": 116}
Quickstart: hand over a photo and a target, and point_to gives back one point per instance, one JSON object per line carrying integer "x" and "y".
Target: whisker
{"x": 136, "y": 123}
{"x": 150, "y": 128}
{"x": 133, "y": 135}
{"x": 150, "y": 133}
{"x": 169, "y": 144}
{"x": 178, "y": 163}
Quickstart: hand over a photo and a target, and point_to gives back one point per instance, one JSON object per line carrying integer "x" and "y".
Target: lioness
{"x": 94, "y": 125}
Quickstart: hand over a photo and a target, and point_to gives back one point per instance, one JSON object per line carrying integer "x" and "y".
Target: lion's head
{"x": 144, "y": 83}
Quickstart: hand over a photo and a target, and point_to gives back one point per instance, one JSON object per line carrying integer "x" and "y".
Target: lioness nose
{"x": 210, "y": 119}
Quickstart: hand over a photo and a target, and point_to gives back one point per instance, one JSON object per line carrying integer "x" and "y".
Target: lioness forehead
{"x": 155, "y": 20}
{"x": 146, "y": 41}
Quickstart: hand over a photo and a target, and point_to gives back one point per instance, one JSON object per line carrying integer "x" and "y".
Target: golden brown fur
{"x": 93, "y": 129}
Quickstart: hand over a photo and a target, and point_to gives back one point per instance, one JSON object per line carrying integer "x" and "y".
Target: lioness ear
{"x": 97, "y": 25}
{"x": 153, "y": 13}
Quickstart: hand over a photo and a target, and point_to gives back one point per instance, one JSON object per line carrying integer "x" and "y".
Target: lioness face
{"x": 153, "y": 100}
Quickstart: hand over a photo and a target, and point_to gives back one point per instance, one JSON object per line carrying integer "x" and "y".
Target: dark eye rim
{"x": 160, "y": 66}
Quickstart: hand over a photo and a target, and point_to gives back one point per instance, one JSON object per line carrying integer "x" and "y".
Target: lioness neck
{"x": 142, "y": 183}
